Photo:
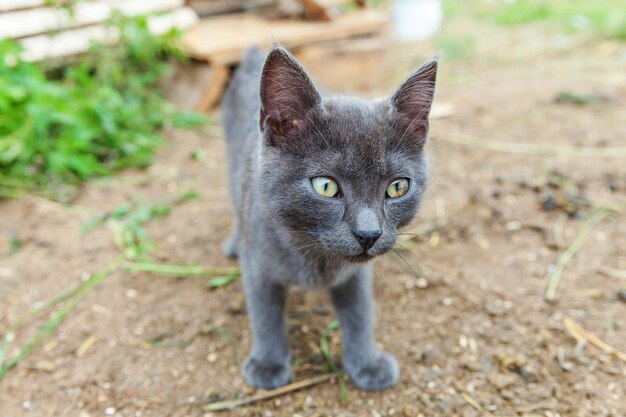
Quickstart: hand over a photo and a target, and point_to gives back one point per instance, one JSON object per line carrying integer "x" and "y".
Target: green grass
{"x": 325, "y": 349}
{"x": 606, "y": 18}
{"x": 127, "y": 222}
{"x": 89, "y": 119}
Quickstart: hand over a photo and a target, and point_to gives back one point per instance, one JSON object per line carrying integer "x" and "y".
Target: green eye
{"x": 398, "y": 188}
{"x": 326, "y": 187}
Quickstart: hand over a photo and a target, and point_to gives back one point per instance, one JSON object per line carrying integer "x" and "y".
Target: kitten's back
{"x": 242, "y": 105}
{"x": 241, "y": 101}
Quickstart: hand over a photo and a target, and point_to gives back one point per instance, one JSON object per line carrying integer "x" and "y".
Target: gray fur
{"x": 287, "y": 234}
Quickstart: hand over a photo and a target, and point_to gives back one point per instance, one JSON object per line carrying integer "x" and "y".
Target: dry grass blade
{"x": 581, "y": 334}
{"x": 329, "y": 359}
{"x": 476, "y": 405}
{"x": 51, "y": 325}
{"x": 87, "y": 344}
{"x": 537, "y": 149}
{"x": 40, "y": 309}
{"x": 223, "y": 281}
{"x": 231, "y": 339}
{"x": 178, "y": 270}
{"x": 471, "y": 401}
{"x": 554, "y": 277}
{"x": 613, "y": 273}
{"x": 230, "y": 405}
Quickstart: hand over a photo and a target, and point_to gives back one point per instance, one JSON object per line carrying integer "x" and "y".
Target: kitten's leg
{"x": 230, "y": 245}
{"x": 368, "y": 368}
{"x": 268, "y": 365}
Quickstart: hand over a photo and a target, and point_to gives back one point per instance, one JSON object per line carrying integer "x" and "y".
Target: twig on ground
{"x": 581, "y": 334}
{"x": 554, "y": 277}
{"x": 232, "y": 404}
{"x": 536, "y": 149}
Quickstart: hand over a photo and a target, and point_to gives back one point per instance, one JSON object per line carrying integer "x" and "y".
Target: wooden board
{"x": 76, "y": 41}
{"x": 213, "y": 90}
{"x": 223, "y": 39}
{"x": 213, "y": 7}
{"x": 29, "y": 22}
{"x": 6, "y": 5}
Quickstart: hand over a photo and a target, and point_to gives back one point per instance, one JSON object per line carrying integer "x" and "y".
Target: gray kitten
{"x": 320, "y": 185}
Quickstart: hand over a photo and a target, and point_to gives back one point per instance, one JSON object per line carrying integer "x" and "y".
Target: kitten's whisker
{"x": 412, "y": 253}
{"x": 407, "y": 264}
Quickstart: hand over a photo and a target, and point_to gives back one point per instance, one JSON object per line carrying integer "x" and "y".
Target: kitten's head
{"x": 341, "y": 174}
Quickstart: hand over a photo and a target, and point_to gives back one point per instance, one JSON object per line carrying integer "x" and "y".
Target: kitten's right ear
{"x": 287, "y": 96}
{"x": 413, "y": 100}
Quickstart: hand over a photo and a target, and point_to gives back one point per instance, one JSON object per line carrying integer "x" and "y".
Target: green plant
{"x": 606, "y": 18}
{"x": 127, "y": 222}
{"x": 325, "y": 349}
{"x": 100, "y": 115}
{"x": 603, "y": 18}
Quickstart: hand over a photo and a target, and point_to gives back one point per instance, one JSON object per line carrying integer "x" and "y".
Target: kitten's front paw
{"x": 378, "y": 375}
{"x": 266, "y": 375}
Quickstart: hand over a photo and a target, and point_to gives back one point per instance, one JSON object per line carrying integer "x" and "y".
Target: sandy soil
{"x": 467, "y": 320}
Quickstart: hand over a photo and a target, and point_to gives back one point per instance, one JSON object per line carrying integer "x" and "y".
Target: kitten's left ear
{"x": 287, "y": 96}
{"x": 413, "y": 100}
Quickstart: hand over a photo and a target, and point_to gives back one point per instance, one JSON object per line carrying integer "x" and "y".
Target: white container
{"x": 416, "y": 20}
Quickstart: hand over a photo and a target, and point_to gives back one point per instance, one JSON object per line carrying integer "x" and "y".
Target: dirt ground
{"x": 466, "y": 318}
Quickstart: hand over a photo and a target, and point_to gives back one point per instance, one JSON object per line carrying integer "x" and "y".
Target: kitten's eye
{"x": 325, "y": 186}
{"x": 398, "y": 188}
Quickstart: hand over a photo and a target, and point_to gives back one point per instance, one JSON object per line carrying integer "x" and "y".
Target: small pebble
{"x": 621, "y": 295}
{"x": 211, "y": 357}
{"x": 513, "y": 226}
{"x": 109, "y": 411}
{"x": 26, "y": 404}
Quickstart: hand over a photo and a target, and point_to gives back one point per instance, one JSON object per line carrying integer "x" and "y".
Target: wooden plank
{"x": 76, "y": 41}
{"x": 314, "y": 10}
{"x": 183, "y": 85}
{"x": 36, "y": 21}
{"x": 223, "y": 39}
{"x": 7, "y": 5}
{"x": 214, "y": 88}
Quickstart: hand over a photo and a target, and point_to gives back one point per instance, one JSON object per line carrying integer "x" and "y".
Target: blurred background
{"x": 115, "y": 298}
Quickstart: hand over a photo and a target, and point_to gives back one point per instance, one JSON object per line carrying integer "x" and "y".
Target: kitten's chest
{"x": 320, "y": 273}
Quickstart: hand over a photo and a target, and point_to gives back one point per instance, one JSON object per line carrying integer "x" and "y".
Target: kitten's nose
{"x": 367, "y": 238}
{"x": 367, "y": 228}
